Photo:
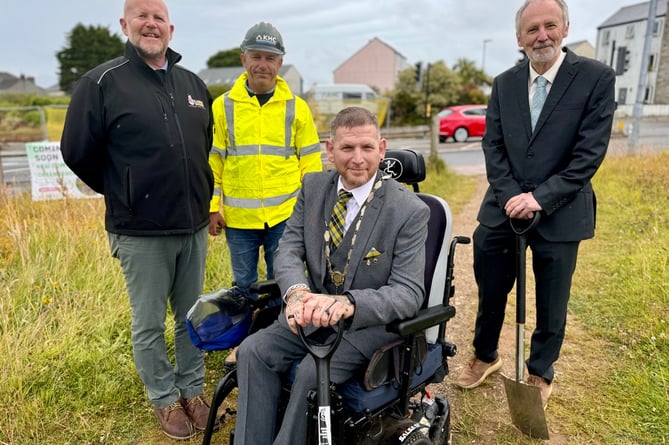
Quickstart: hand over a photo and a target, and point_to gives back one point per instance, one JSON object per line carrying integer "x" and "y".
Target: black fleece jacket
{"x": 142, "y": 139}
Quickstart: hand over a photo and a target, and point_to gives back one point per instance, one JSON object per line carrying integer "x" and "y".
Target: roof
{"x": 7, "y": 80}
{"x": 228, "y": 75}
{"x": 634, "y": 13}
{"x": 336, "y": 87}
{"x": 10, "y": 83}
{"x": 577, "y": 44}
{"x": 375, "y": 39}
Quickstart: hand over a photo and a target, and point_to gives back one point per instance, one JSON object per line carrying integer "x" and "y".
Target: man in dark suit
{"x": 539, "y": 158}
{"x": 373, "y": 276}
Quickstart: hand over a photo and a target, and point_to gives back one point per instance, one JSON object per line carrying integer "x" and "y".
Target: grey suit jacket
{"x": 557, "y": 161}
{"x": 389, "y": 288}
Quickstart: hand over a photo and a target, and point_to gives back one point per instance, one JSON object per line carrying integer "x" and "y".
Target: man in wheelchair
{"x": 359, "y": 256}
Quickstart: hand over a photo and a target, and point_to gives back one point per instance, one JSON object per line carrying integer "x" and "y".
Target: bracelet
{"x": 292, "y": 288}
{"x": 350, "y": 298}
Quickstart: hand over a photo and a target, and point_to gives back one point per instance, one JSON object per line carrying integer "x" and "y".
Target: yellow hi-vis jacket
{"x": 260, "y": 155}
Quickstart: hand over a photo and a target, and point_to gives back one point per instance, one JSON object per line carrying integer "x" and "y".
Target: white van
{"x": 343, "y": 91}
{"x": 327, "y": 100}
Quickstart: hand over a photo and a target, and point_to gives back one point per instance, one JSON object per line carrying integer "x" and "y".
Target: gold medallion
{"x": 337, "y": 278}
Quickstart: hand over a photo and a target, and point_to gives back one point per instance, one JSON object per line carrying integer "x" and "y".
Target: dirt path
{"x": 481, "y": 416}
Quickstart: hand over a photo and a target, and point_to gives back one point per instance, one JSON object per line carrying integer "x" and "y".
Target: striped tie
{"x": 336, "y": 226}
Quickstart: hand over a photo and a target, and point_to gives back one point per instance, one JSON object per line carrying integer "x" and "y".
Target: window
{"x": 475, "y": 112}
{"x": 606, "y": 36}
{"x": 622, "y": 96}
{"x": 648, "y": 95}
{"x": 651, "y": 62}
{"x": 629, "y": 32}
{"x": 657, "y": 27}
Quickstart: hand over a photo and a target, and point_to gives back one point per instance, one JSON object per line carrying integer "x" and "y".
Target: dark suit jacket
{"x": 557, "y": 161}
{"x": 390, "y": 288}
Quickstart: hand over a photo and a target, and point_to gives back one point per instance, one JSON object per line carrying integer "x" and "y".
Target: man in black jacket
{"x": 138, "y": 130}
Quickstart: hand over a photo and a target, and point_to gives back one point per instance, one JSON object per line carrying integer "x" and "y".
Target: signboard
{"x": 50, "y": 177}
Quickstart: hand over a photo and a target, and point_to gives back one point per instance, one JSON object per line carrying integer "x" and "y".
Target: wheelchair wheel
{"x": 417, "y": 438}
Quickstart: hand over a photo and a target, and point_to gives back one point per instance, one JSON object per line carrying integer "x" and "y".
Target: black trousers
{"x": 495, "y": 263}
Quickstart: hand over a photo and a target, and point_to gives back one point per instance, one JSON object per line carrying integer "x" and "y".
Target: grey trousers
{"x": 262, "y": 360}
{"x": 158, "y": 270}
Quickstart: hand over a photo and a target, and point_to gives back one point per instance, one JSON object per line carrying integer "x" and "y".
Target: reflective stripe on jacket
{"x": 258, "y": 167}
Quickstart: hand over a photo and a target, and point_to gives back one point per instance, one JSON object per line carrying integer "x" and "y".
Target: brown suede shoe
{"x": 476, "y": 371}
{"x": 197, "y": 410}
{"x": 545, "y": 388}
{"x": 174, "y": 422}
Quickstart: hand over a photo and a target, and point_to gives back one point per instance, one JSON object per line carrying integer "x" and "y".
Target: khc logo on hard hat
{"x": 266, "y": 39}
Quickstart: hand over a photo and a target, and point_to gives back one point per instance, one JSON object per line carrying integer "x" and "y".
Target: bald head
{"x": 147, "y": 25}
{"x": 131, "y": 5}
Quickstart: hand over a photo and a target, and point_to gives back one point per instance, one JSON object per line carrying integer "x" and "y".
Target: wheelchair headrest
{"x": 404, "y": 165}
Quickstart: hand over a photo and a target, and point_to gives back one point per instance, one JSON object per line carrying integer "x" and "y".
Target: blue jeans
{"x": 244, "y": 245}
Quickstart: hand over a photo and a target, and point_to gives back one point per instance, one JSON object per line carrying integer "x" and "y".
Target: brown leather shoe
{"x": 545, "y": 388}
{"x": 197, "y": 410}
{"x": 476, "y": 371}
{"x": 174, "y": 422}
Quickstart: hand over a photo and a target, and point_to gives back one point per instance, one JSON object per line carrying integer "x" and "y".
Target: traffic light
{"x": 418, "y": 67}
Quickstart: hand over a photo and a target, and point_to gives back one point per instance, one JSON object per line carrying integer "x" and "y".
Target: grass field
{"x": 67, "y": 374}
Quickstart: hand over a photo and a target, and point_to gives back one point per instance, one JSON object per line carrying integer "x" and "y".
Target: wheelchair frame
{"x": 404, "y": 419}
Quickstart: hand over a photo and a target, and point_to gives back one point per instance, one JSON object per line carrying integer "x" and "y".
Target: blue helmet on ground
{"x": 220, "y": 320}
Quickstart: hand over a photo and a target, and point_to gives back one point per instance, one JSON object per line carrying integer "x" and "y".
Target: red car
{"x": 461, "y": 122}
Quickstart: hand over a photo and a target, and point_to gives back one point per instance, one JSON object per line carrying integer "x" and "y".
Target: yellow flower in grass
{"x": 46, "y": 300}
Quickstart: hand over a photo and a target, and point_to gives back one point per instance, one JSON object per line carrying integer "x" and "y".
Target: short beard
{"x": 542, "y": 56}
{"x": 150, "y": 54}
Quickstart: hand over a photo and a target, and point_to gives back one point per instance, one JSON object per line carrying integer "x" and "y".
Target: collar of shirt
{"x": 549, "y": 75}
{"x": 360, "y": 195}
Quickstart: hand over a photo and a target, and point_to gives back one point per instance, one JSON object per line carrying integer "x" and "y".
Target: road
{"x": 465, "y": 158}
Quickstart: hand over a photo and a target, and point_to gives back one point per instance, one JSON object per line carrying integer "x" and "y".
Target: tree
{"x": 439, "y": 87}
{"x": 88, "y": 46}
{"x": 225, "y": 59}
{"x": 472, "y": 79}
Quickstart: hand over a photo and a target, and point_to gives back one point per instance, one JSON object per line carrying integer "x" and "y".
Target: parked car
{"x": 461, "y": 122}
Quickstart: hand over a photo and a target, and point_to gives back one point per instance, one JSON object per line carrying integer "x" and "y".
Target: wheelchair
{"x": 387, "y": 403}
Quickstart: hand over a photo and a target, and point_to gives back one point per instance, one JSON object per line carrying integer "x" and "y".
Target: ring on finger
{"x": 327, "y": 309}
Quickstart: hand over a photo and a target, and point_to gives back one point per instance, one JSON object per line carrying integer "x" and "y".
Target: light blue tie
{"x": 538, "y": 99}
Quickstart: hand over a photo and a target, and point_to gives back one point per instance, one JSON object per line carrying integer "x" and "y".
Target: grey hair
{"x": 561, "y": 3}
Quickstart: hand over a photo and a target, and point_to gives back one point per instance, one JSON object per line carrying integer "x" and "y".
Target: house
{"x": 21, "y": 85}
{"x": 582, "y": 48}
{"x": 227, "y": 76}
{"x": 376, "y": 64}
{"x": 620, "y": 43}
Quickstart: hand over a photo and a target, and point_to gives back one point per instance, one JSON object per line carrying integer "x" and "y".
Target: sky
{"x": 319, "y": 35}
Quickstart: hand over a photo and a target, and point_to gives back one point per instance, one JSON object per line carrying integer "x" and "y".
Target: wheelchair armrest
{"x": 267, "y": 287}
{"x": 425, "y": 318}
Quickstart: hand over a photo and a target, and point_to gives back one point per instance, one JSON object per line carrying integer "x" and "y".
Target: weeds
{"x": 67, "y": 375}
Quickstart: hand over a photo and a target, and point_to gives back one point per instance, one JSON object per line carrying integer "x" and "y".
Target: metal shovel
{"x": 527, "y": 411}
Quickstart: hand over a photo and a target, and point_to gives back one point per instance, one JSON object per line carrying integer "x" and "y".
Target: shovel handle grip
{"x": 521, "y": 226}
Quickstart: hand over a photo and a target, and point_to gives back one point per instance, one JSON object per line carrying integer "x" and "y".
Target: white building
{"x": 620, "y": 41}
